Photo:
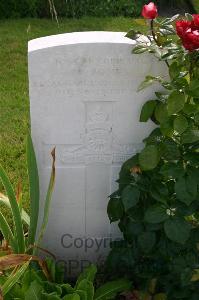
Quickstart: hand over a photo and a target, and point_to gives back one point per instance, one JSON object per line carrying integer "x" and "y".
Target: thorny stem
{"x": 155, "y": 39}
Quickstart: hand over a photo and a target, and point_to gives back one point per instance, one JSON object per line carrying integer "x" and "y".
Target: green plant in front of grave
{"x": 31, "y": 283}
{"x": 157, "y": 202}
{"x": 19, "y": 240}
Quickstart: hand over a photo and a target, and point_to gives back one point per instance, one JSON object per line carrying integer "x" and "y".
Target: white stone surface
{"x": 83, "y": 100}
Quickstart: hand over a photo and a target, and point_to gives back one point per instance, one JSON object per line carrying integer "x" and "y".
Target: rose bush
{"x": 157, "y": 202}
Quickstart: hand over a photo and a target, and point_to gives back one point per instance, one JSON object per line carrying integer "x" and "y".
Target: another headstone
{"x": 83, "y": 100}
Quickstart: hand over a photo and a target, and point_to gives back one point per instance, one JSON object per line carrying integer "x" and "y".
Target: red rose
{"x": 150, "y": 11}
{"x": 192, "y": 37}
{"x": 196, "y": 20}
{"x": 182, "y": 26}
{"x": 188, "y": 31}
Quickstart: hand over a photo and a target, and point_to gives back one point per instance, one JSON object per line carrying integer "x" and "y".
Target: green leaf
{"x": 167, "y": 30}
{"x": 72, "y": 297}
{"x": 197, "y": 118}
{"x": 34, "y": 291}
{"x": 159, "y": 192}
{"x": 131, "y": 229}
{"x": 48, "y": 200}
{"x": 155, "y": 137}
{"x": 153, "y": 226}
{"x": 7, "y": 233}
{"x": 169, "y": 150}
{"x": 149, "y": 157}
{"x": 15, "y": 293}
{"x": 29, "y": 276}
{"x": 89, "y": 274}
{"x": 146, "y": 241}
{"x": 67, "y": 288}
{"x": 138, "y": 49}
{"x": 51, "y": 287}
{"x": 111, "y": 289}
{"x": 115, "y": 209}
{"x": 132, "y": 34}
{"x": 81, "y": 294}
{"x": 194, "y": 88}
{"x": 189, "y": 109}
{"x": 176, "y": 102}
{"x": 13, "y": 279}
{"x": 174, "y": 70}
{"x": 161, "y": 113}
{"x": 172, "y": 170}
{"x": 192, "y": 158}
{"x": 177, "y": 230}
{"x": 15, "y": 211}
{"x": 189, "y": 17}
{"x": 180, "y": 124}
{"x": 190, "y": 136}
{"x": 130, "y": 197}
{"x": 170, "y": 20}
{"x": 86, "y": 286}
{"x": 167, "y": 128}
{"x": 186, "y": 189}
{"x": 51, "y": 296}
{"x": 149, "y": 80}
{"x": 185, "y": 210}
{"x": 25, "y": 217}
{"x": 156, "y": 214}
{"x": 125, "y": 172}
{"x": 147, "y": 110}
{"x": 34, "y": 190}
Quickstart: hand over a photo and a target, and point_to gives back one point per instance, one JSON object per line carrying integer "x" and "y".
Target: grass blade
{"x": 13, "y": 278}
{"x": 34, "y": 190}
{"x": 24, "y": 215}
{"x": 7, "y": 233}
{"x": 48, "y": 199}
{"x": 15, "y": 211}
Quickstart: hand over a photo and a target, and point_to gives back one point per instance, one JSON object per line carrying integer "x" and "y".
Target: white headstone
{"x": 83, "y": 100}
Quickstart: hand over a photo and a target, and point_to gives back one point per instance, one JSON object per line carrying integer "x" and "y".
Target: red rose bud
{"x": 150, "y": 11}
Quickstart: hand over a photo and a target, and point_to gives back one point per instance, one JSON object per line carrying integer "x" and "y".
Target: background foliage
{"x": 78, "y": 8}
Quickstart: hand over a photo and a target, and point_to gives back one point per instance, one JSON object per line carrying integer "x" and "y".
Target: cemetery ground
{"x": 14, "y": 98}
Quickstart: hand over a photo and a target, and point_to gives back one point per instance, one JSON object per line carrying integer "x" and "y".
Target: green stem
{"x": 153, "y": 32}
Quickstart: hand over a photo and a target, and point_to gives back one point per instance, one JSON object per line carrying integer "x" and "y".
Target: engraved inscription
{"x": 100, "y": 145}
{"x": 89, "y": 76}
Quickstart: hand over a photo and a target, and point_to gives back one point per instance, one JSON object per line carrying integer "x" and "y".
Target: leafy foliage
{"x": 156, "y": 204}
{"x": 70, "y": 8}
{"x": 30, "y": 283}
{"x": 76, "y": 9}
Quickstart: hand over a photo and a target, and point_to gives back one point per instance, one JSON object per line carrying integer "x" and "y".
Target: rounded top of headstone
{"x": 88, "y": 37}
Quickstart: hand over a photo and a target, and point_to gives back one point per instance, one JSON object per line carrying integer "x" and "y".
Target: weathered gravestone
{"x": 83, "y": 100}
